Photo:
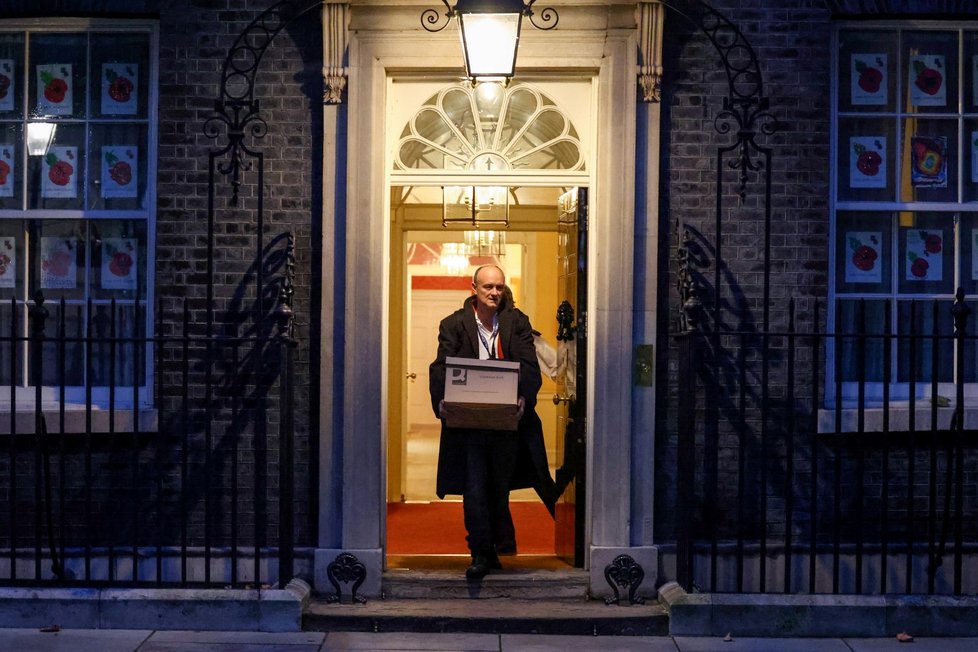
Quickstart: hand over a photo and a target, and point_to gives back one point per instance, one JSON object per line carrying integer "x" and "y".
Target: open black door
{"x": 571, "y": 397}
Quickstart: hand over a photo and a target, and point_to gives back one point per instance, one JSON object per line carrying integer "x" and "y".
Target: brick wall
{"x": 791, "y": 40}
{"x": 195, "y": 38}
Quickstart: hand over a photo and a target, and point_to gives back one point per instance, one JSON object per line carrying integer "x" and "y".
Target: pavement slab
{"x": 919, "y": 644}
{"x": 748, "y": 644}
{"x": 560, "y": 643}
{"x": 72, "y": 640}
{"x": 391, "y": 642}
{"x": 212, "y": 641}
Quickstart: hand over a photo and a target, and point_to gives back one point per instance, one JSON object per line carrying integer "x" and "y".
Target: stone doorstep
{"x": 778, "y": 615}
{"x": 268, "y": 610}
{"x": 489, "y": 616}
{"x": 517, "y": 584}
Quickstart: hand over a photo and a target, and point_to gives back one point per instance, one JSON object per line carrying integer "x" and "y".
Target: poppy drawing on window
{"x": 8, "y": 262}
{"x": 119, "y": 263}
{"x": 867, "y": 162}
{"x": 864, "y": 260}
{"x": 927, "y": 81}
{"x": 119, "y": 84}
{"x": 54, "y": 96}
{"x": 7, "y": 165}
{"x": 7, "y": 84}
{"x": 925, "y": 255}
{"x": 119, "y": 171}
{"x": 928, "y": 161}
{"x": 59, "y": 173}
{"x": 58, "y": 263}
{"x": 868, "y": 74}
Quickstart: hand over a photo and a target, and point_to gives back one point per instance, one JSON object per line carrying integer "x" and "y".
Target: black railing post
{"x": 287, "y": 345}
{"x": 686, "y": 451}
{"x": 38, "y": 316}
{"x": 961, "y": 312}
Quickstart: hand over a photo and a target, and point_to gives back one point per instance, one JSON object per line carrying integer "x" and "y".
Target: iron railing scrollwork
{"x": 744, "y": 113}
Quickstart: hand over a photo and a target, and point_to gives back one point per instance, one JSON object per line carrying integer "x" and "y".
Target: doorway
{"x": 431, "y": 270}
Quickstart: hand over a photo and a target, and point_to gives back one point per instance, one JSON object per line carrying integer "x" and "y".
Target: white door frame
{"x": 607, "y": 56}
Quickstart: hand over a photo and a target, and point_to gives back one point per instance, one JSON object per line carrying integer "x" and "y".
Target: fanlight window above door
{"x": 489, "y": 128}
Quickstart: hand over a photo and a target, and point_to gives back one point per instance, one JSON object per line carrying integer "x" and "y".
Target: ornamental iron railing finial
{"x": 236, "y": 111}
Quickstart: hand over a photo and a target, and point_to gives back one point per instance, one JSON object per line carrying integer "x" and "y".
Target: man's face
{"x": 489, "y": 286}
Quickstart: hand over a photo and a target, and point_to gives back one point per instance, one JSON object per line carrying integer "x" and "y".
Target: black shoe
{"x": 478, "y": 569}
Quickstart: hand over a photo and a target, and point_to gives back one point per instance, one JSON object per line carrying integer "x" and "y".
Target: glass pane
{"x": 63, "y": 346}
{"x": 970, "y": 67}
{"x": 117, "y": 167}
{"x": 55, "y": 177}
{"x": 968, "y": 273}
{"x": 57, "y": 255}
{"x": 971, "y": 345}
{"x": 114, "y": 329}
{"x": 931, "y": 69}
{"x": 861, "y": 354}
{"x": 929, "y": 158}
{"x": 120, "y": 66}
{"x": 12, "y": 262}
{"x": 11, "y": 352}
{"x": 459, "y": 110}
{"x": 11, "y": 76}
{"x": 918, "y": 323}
{"x": 867, "y": 60}
{"x": 969, "y": 160}
{"x": 11, "y": 170}
{"x": 58, "y": 77}
{"x": 559, "y": 155}
{"x": 521, "y": 106}
{"x": 118, "y": 265}
{"x": 926, "y": 253}
{"x": 866, "y": 160}
{"x": 863, "y": 258}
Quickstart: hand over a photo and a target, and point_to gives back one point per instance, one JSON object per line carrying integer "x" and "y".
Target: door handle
{"x": 411, "y": 375}
{"x": 558, "y": 399}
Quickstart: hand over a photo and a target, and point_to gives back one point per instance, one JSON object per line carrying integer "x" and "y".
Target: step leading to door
{"x": 524, "y": 584}
{"x": 489, "y": 616}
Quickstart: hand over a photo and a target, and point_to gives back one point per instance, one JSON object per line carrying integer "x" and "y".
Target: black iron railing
{"x": 145, "y": 460}
{"x": 853, "y": 470}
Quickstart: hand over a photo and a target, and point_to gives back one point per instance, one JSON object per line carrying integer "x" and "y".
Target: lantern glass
{"x": 489, "y": 42}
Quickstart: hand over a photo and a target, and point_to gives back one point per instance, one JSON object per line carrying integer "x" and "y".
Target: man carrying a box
{"x": 479, "y": 463}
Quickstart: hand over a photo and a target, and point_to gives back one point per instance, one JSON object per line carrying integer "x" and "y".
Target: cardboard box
{"x": 481, "y": 394}
{"x": 483, "y": 382}
{"x": 481, "y": 416}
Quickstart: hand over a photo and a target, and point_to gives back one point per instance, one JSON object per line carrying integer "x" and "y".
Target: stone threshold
{"x": 265, "y": 610}
{"x": 820, "y": 615}
{"x": 489, "y": 616}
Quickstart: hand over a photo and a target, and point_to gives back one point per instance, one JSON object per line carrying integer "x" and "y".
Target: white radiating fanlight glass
{"x": 489, "y": 43}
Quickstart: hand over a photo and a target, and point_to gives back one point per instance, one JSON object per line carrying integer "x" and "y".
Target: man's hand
{"x": 441, "y": 408}
{"x": 520, "y": 407}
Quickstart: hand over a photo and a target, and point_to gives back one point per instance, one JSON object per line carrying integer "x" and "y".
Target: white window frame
{"x": 899, "y": 391}
{"x": 75, "y": 396}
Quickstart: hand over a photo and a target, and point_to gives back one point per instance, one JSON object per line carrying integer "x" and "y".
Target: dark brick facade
{"x": 195, "y": 39}
{"x": 128, "y": 472}
{"x": 791, "y": 43}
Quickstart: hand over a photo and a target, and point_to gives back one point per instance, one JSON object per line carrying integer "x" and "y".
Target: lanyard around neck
{"x": 490, "y": 344}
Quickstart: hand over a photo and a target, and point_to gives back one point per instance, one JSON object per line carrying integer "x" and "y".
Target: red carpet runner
{"x": 437, "y": 528}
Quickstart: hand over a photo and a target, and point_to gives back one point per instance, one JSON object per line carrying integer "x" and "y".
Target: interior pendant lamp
{"x": 490, "y": 31}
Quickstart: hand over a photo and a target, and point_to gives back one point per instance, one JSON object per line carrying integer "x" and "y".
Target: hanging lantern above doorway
{"x": 490, "y": 32}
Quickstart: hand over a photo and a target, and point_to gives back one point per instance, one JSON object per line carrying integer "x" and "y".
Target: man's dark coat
{"x": 458, "y": 336}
